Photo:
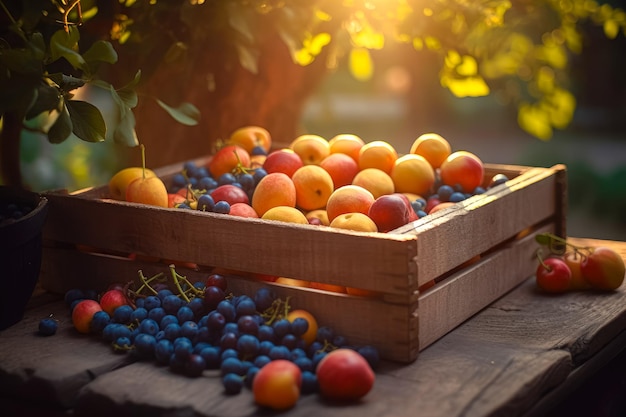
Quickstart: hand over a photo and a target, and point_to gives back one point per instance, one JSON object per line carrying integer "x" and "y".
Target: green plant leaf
{"x": 62, "y": 128}
{"x": 186, "y": 113}
{"x": 66, "y": 82}
{"x": 124, "y": 133}
{"x": 65, "y": 45}
{"x": 101, "y": 51}
{"x": 87, "y": 121}
{"x": 48, "y": 98}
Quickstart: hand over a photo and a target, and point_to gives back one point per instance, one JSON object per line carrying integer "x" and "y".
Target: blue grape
{"x": 163, "y": 351}
{"x": 245, "y": 306}
{"x": 122, "y": 314}
{"x": 248, "y": 324}
{"x": 261, "y": 360}
{"x": 305, "y": 364}
{"x": 206, "y": 203}
{"x": 48, "y": 326}
{"x": 196, "y": 305}
{"x": 215, "y": 320}
{"x": 233, "y": 383}
{"x": 222, "y": 207}
{"x": 138, "y": 315}
{"x": 213, "y": 297}
{"x": 231, "y": 327}
{"x": 212, "y": 356}
{"x": 258, "y": 150}
{"x": 266, "y": 332}
{"x": 179, "y": 180}
{"x": 156, "y": 314}
{"x": 324, "y": 334}
{"x": 247, "y": 181}
{"x": 149, "y": 326}
{"x": 73, "y": 295}
{"x": 172, "y": 331}
{"x": 189, "y": 329}
{"x": 265, "y": 347}
{"x": 264, "y": 298}
{"x": 171, "y": 303}
{"x": 310, "y": 384}
{"x": 183, "y": 347}
{"x": 151, "y": 302}
{"x": 250, "y": 375}
{"x": 207, "y": 183}
{"x": 279, "y": 352}
{"x": 456, "y": 197}
{"x": 227, "y": 309}
{"x": 281, "y": 328}
{"x": 289, "y": 341}
{"x": 232, "y": 365}
{"x": 299, "y": 326}
{"x": 164, "y": 292}
{"x": 258, "y": 175}
{"x": 144, "y": 345}
{"x": 195, "y": 365}
{"x": 248, "y": 345}
{"x": 99, "y": 321}
{"x": 444, "y": 192}
{"x": 228, "y": 340}
{"x": 226, "y": 178}
{"x": 370, "y": 354}
{"x": 184, "y": 314}
{"x": 168, "y": 319}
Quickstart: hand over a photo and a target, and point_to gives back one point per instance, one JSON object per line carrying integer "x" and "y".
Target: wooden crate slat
{"x": 450, "y": 238}
{"x": 382, "y": 263}
{"x": 476, "y": 286}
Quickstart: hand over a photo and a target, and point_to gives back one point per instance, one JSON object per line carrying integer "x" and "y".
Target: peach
{"x": 312, "y": 149}
{"x": 603, "y": 269}
{"x": 343, "y": 374}
{"x": 249, "y": 137}
{"x": 148, "y": 190}
{"x": 389, "y": 212}
{"x": 285, "y": 214}
{"x": 377, "y": 154}
{"x": 228, "y": 159}
{"x": 375, "y": 180}
{"x": 413, "y": 174}
{"x": 348, "y": 199}
{"x": 277, "y": 385}
{"x": 440, "y": 206}
{"x": 348, "y": 144}
{"x": 319, "y": 214}
{"x": 313, "y": 187}
{"x": 433, "y": 147}
{"x": 230, "y": 193}
{"x": 282, "y": 160}
{"x": 174, "y": 199}
{"x": 243, "y": 210}
{"x": 112, "y": 299}
{"x": 273, "y": 190}
{"x": 82, "y": 315}
{"x": 119, "y": 181}
{"x": 462, "y": 168}
{"x": 341, "y": 167}
{"x": 354, "y": 221}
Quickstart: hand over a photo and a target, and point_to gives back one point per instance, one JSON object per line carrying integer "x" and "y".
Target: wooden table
{"x": 527, "y": 354}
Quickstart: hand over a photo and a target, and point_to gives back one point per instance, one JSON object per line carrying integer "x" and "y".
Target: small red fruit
{"x": 343, "y": 374}
{"x": 277, "y": 385}
{"x": 553, "y": 275}
{"x": 603, "y": 269}
{"x": 82, "y": 315}
{"x": 112, "y": 299}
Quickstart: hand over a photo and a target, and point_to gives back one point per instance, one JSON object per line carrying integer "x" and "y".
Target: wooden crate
{"x": 431, "y": 275}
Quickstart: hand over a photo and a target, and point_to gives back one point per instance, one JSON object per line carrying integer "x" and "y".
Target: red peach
{"x": 462, "y": 168}
{"x": 112, "y": 299}
{"x": 277, "y": 385}
{"x": 282, "y": 160}
{"x": 603, "y": 269}
{"x": 230, "y": 193}
{"x": 389, "y": 212}
{"x": 227, "y": 159}
{"x": 243, "y": 210}
{"x": 341, "y": 167}
{"x": 343, "y": 374}
{"x": 82, "y": 315}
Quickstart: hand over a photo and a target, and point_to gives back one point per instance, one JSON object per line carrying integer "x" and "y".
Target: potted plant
{"x": 41, "y": 67}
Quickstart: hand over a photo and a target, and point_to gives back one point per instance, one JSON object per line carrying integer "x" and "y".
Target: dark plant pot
{"x": 20, "y": 253}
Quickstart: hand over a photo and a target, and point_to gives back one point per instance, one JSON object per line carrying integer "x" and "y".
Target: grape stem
{"x": 558, "y": 245}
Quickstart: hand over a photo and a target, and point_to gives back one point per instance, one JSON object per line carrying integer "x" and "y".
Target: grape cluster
{"x": 11, "y": 212}
{"x": 446, "y": 193}
{"x": 198, "y": 184}
{"x": 212, "y": 329}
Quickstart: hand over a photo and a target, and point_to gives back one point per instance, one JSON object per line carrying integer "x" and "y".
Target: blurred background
{"x": 403, "y": 99}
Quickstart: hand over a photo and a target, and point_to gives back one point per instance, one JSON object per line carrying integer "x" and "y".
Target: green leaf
{"x": 186, "y": 113}
{"x": 65, "y": 45}
{"x": 48, "y": 99}
{"x": 62, "y": 128}
{"x": 101, "y": 51}
{"x": 66, "y": 82}
{"x": 88, "y": 123}
{"x": 125, "y": 133}
{"x": 543, "y": 239}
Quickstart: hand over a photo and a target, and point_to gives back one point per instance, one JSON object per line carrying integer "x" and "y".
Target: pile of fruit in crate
{"x": 342, "y": 182}
{"x": 199, "y": 329}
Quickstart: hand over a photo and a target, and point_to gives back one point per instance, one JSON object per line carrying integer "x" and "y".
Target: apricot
{"x": 464, "y": 169}
{"x": 249, "y": 137}
{"x": 277, "y": 385}
{"x": 149, "y": 190}
{"x": 285, "y": 214}
{"x": 413, "y": 174}
{"x": 341, "y": 167}
{"x": 574, "y": 262}
{"x": 377, "y": 154}
{"x": 121, "y": 179}
{"x": 311, "y": 333}
{"x": 227, "y": 159}
{"x": 273, "y": 190}
{"x": 319, "y": 214}
{"x": 348, "y": 199}
{"x": 312, "y": 149}
{"x": 603, "y": 269}
{"x": 433, "y": 147}
{"x": 282, "y": 160}
{"x": 348, "y": 144}
{"x": 375, "y": 180}
{"x": 314, "y": 185}
{"x": 354, "y": 221}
